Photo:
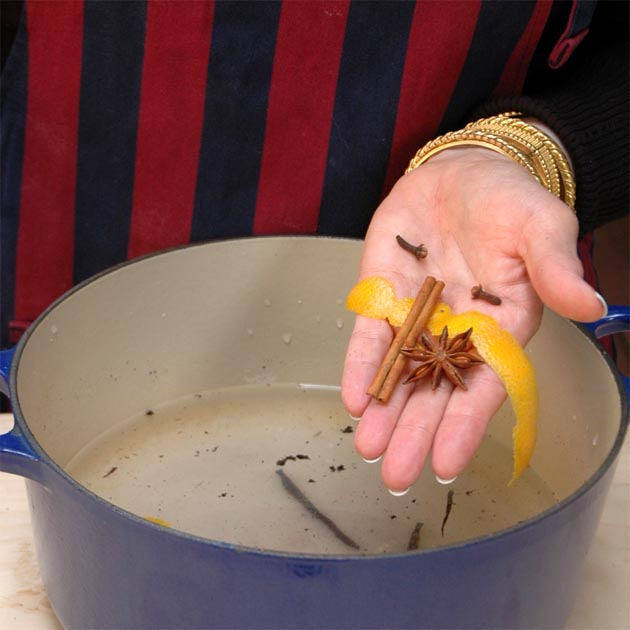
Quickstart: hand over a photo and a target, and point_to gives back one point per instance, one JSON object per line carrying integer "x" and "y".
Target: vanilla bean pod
{"x": 414, "y": 539}
{"x": 449, "y": 507}
{"x": 301, "y": 498}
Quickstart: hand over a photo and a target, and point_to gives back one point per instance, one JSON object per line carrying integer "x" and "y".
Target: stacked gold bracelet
{"x": 511, "y": 136}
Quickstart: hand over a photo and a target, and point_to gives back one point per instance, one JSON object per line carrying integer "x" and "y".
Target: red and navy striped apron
{"x": 130, "y": 127}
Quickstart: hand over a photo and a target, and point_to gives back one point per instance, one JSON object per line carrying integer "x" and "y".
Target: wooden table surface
{"x": 603, "y": 601}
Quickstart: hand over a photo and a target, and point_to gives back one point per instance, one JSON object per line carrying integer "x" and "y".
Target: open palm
{"x": 484, "y": 220}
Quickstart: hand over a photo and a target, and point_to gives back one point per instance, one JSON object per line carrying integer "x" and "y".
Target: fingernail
{"x": 354, "y": 417}
{"x": 603, "y": 301}
{"x": 372, "y": 461}
{"x": 398, "y": 493}
{"x": 445, "y": 482}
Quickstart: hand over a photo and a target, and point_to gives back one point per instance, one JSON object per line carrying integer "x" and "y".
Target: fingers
{"x": 378, "y": 423}
{"x": 555, "y": 269}
{"x": 368, "y": 344}
{"x": 465, "y": 422}
{"x": 412, "y": 437}
{"x": 416, "y": 419}
{"x": 403, "y": 428}
{"x": 448, "y": 424}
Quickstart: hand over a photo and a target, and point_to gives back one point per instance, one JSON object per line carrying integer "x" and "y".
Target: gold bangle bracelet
{"x": 561, "y": 180}
{"x": 509, "y": 135}
{"x": 535, "y": 142}
{"x": 461, "y": 139}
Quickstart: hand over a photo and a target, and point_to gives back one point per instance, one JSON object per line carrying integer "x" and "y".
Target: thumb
{"x": 555, "y": 270}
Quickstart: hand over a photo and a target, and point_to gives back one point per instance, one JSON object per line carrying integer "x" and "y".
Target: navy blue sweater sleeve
{"x": 586, "y": 103}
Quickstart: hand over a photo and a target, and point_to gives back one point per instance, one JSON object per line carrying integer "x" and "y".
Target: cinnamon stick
{"x": 419, "y": 326}
{"x": 394, "y": 362}
{"x": 401, "y": 336}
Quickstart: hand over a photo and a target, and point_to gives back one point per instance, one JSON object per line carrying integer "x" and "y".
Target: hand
{"x": 484, "y": 220}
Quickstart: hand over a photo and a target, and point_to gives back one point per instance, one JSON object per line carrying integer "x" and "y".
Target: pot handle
{"x": 617, "y": 320}
{"x": 16, "y": 454}
{"x": 6, "y": 356}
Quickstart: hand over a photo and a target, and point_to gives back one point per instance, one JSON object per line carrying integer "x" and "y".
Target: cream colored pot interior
{"x": 263, "y": 311}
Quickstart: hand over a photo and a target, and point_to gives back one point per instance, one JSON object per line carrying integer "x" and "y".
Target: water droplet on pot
{"x": 249, "y": 331}
{"x": 286, "y": 337}
{"x": 163, "y": 315}
{"x": 54, "y": 330}
{"x": 267, "y": 302}
{"x": 340, "y": 323}
{"x": 595, "y": 439}
{"x": 339, "y": 301}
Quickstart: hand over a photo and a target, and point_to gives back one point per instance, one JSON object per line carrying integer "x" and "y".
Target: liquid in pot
{"x": 274, "y": 467}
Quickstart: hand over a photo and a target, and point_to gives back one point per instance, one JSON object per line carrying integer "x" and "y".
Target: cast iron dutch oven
{"x": 270, "y": 310}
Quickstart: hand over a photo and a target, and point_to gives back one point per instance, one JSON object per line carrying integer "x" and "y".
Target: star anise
{"x": 441, "y": 355}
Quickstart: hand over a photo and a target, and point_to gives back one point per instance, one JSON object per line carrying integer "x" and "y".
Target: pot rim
{"x": 46, "y": 460}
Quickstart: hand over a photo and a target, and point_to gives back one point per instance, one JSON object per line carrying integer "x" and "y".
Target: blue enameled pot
{"x": 92, "y": 359}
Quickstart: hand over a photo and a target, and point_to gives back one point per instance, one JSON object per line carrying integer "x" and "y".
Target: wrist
{"x": 513, "y": 137}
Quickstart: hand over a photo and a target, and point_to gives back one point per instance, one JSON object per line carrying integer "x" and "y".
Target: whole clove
{"x": 419, "y": 251}
{"x": 478, "y": 293}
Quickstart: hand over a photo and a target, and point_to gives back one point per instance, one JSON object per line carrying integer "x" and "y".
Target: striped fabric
{"x": 130, "y": 127}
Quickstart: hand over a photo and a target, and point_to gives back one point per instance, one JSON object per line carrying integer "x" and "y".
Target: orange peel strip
{"x": 374, "y": 297}
{"x": 503, "y": 353}
{"x": 157, "y": 521}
